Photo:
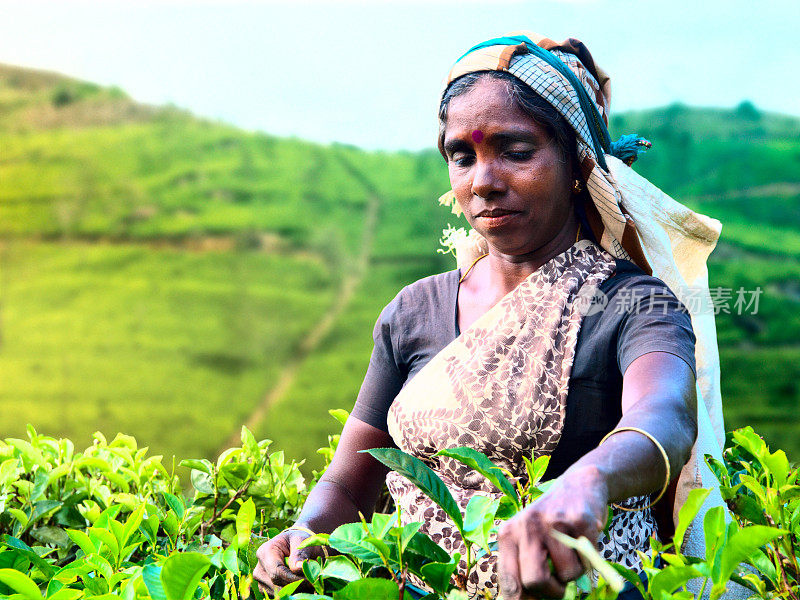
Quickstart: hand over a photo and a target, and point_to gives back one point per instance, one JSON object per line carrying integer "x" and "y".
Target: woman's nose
{"x": 486, "y": 180}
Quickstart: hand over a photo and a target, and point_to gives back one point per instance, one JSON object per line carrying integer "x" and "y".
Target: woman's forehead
{"x": 487, "y": 107}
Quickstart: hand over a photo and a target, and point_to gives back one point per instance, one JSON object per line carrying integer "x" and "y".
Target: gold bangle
{"x": 663, "y": 454}
{"x": 311, "y": 533}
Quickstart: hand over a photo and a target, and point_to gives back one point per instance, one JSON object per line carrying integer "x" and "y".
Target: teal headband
{"x": 626, "y": 148}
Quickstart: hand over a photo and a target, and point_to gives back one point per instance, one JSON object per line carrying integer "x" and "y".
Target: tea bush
{"x": 113, "y": 522}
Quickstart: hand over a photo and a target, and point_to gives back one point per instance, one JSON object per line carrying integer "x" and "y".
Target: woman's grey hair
{"x": 526, "y": 99}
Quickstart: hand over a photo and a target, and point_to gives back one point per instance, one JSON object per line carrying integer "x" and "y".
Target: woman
{"x": 506, "y": 356}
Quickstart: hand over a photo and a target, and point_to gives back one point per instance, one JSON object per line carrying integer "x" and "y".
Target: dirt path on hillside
{"x": 321, "y": 329}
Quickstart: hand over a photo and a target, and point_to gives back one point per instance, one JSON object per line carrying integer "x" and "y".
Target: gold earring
{"x": 577, "y": 186}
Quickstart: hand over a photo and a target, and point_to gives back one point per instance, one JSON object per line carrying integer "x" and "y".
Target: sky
{"x": 369, "y": 73}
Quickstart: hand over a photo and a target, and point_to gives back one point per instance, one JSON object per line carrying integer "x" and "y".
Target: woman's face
{"x": 507, "y": 172}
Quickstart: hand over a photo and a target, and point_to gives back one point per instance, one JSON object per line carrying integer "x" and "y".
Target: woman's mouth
{"x": 497, "y": 218}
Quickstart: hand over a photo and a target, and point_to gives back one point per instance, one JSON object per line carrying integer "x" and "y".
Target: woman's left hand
{"x": 576, "y": 504}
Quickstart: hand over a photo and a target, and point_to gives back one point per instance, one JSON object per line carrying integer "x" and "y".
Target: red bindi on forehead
{"x": 477, "y": 136}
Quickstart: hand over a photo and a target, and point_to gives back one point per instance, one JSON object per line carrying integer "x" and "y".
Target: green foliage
{"x": 112, "y": 522}
{"x": 768, "y": 551}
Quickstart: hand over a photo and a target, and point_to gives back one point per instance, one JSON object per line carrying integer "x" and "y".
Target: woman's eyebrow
{"x": 514, "y": 136}
{"x": 453, "y": 145}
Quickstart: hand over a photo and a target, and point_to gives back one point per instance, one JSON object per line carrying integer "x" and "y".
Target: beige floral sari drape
{"x": 501, "y": 388}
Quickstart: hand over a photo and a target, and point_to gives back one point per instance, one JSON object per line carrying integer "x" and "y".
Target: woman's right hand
{"x": 271, "y": 571}
{"x": 330, "y": 503}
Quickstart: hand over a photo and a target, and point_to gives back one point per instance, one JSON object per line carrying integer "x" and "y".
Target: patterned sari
{"x": 501, "y": 388}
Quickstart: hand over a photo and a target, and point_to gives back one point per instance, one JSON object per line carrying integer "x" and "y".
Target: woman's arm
{"x": 351, "y": 484}
{"x": 658, "y": 396}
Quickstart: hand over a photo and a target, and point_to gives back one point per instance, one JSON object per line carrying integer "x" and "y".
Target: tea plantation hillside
{"x": 174, "y": 277}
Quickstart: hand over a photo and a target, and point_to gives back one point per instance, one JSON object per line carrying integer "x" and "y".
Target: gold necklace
{"x": 472, "y": 265}
{"x": 577, "y": 237}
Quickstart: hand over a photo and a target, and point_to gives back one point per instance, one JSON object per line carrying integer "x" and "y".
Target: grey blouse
{"x": 641, "y": 315}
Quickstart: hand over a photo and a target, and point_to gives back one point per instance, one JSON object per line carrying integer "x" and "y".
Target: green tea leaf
{"x": 19, "y": 515}
{"x": 230, "y": 559}
{"x": 105, "y": 536}
{"x": 51, "y": 535}
{"x": 176, "y": 504}
{"x": 21, "y": 548}
{"x": 750, "y": 441}
{"x": 202, "y": 482}
{"x": 341, "y": 567}
{"x": 384, "y": 548}
{"x": 151, "y": 575}
{"x": 718, "y": 469}
{"x": 340, "y": 415}
{"x": 423, "y": 477}
{"x": 20, "y": 583}
{"x": 287, "y": 590}
{"x": 368, "y": 589}
{"x": 743, "y": 544}
{"x": 31, "y": 456}
{"x": 181, "y": 573}
{"x": 101, "y": 565}
{"x": 170, "y": 525}
{"x": 713, "y": 529}
{"x": 438, "y": 575}
{"x": 43, "y": 509}
{"x": 479, "y": 519}
{"x": 350, "y": 539}
{"x": 132, "y": 524}
{"x": 256, "y": 541}
{"x": 39, "y": 485}
{"x": 9, "y": 471}
{"x": 694, "y": 501}
{"x": 249, "y": 442}
{"x": 82, "y": 541}
{"x": 748, "y": 508}
{"x": 537, "y": 469}
{"x": 479, "y": 462}
{"x": 670, "y": 579}
{"x": 244, "y": 522}
{"x": 630, "y": 576}
{"x": 505, "y": 509}
{"x": 382, "y": 523}
{"x": 202, "y": 465}
{"x": 426, "y": 550}
{"x": 233, "y": 475}
{"x": 409, "y": 531}
{"x": 318, "y": 539}
{"x": 776, "y": 465}
{"x": 311, "y": 570}
{"x": 66, "y": 594}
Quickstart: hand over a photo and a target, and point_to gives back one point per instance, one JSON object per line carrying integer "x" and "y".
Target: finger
{"x": 535, "y": 573}
{"x": 534, "y": 566}
{"x": 271, "y": 560}
{"x": 508, "y": 562}
{"x": 566, "y": 563}
{"x": 284, "y": 575}
{"x": 298, "y": 555}
{"x": 264, "y": 586}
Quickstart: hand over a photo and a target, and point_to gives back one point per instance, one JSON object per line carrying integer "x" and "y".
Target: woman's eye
{"x": 461, "y": 160}
{"x": 520, "y": 155}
